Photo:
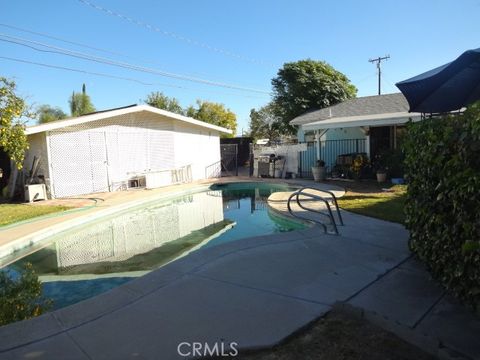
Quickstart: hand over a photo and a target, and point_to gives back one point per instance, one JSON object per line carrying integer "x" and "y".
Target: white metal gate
{"x": 78, "y": 163}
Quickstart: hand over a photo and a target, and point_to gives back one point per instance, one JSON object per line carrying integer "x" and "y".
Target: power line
{"x": 75, "y": 43}
{"x": 62, "y": 40}
{"x": 76, "y": 54}
{"x": 172, "y": 34}
{"x": 76, "y": 70}
{"x": 365, "y": 78}
{"x": 110, "y": 76}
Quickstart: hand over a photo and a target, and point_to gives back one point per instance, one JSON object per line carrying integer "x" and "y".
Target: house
{"x": 367, "y": 125}
{"x": 132, "y": 146}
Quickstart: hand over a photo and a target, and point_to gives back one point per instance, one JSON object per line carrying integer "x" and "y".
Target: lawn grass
{"x": 377, "y": 203}
{"x": 341, "y": 336}
{"x": 12, "y": 213}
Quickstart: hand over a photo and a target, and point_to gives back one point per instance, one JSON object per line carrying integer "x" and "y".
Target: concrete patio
{"x": 256, "y": 292}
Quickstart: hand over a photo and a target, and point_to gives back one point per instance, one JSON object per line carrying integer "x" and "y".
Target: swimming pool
{"x": 89, "y": 260}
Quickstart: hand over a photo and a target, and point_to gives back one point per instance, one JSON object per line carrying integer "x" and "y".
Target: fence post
{"x": 251, "y": 160}
{"x": 236, "y": 159}
{"x": 300, "y": 157}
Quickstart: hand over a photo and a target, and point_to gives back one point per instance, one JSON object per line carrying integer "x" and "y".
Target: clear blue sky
{"x": 252, "y": 38}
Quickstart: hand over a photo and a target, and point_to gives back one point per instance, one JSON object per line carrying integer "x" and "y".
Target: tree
{"x": 308, "y": 85}
{"x": 47, "y": 113}
{"x": 80, "y": 103}
{"x": 161, "y": 101}
{"x": 12, "y": 133}
{"x": 190, "y": 111}
{"x": 214, "y": 113}
{"x": 265, "y": 123}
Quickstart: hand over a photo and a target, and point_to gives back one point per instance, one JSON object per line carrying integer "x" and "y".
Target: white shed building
{"x": 137, "y": 145}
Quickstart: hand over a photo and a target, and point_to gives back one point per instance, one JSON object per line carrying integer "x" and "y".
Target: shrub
{"x": 442, "y": 163}
{"x": 21, "y": 296}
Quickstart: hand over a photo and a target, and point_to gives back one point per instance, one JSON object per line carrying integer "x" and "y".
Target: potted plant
{"x": 318, "y": 171}
{"x": 380, "y": 167}
{"x": 381, "y": 175}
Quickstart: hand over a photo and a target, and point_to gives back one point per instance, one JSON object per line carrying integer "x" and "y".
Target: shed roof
{"x": 105, "y": 114}
{"x": 386, "y": 106}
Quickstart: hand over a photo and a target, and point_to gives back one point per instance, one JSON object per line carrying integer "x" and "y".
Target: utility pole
{"x": 378, "y": 61}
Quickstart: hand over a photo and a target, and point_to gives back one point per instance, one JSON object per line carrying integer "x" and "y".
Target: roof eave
{"x": 118, "y": 112}
{"x": 365, "y": 120}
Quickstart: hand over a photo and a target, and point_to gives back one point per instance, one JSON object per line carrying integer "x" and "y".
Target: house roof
{"x": 105, "y": 114}
{"x": 362, "y": 108}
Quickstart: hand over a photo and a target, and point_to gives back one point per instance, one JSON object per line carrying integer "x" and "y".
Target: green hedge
{"x": 442, "y": 164}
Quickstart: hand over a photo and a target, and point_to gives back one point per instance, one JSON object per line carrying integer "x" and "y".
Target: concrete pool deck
{"x": 256, "y": 292}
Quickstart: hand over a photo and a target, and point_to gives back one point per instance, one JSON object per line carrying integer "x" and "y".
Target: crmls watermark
{"x": 200, "y": 349}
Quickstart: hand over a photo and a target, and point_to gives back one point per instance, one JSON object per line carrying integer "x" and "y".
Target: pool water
{"x": 92, "y": 259}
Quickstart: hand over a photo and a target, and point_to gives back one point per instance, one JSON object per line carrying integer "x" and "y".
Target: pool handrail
{"x": 297, "y": 194}
{"x": 301, "y": 217}
{"x": 325, "y": 201}
{"x": 333, "y": 198}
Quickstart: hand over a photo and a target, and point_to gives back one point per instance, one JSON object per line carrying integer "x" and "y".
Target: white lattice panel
{"x": 77, "y": 163}
{"x": 98, "y": 161}
{"x": 91, "y": 157}
{"x": 161, "y": 150}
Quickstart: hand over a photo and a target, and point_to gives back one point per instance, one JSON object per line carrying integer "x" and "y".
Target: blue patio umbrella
{"x": 446, "y": 88}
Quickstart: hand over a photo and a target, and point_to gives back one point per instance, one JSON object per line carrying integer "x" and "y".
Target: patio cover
{"x": 388, "y": 119}
{"x": 446, "y": 88}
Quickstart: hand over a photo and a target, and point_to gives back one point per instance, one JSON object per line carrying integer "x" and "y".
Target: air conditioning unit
{"x": 35, "y": 192}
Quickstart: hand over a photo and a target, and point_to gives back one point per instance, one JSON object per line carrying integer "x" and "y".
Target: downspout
{"x": 50, "y": 183}
{"x": 317, "y": 138}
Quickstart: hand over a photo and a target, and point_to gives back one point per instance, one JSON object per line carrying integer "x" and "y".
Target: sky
{"x": 240, "y": 44}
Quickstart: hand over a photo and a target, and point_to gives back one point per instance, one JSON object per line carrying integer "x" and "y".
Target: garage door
{"x": 78, "y": 163}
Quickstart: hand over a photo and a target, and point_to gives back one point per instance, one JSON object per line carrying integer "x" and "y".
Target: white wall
{"x": 344, "y": 133}
{"x": 289, "y": 152}
{"x": 196, "y": 146}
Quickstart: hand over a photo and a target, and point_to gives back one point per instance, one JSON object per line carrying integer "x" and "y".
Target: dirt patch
{"x": 341, "y": 336}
